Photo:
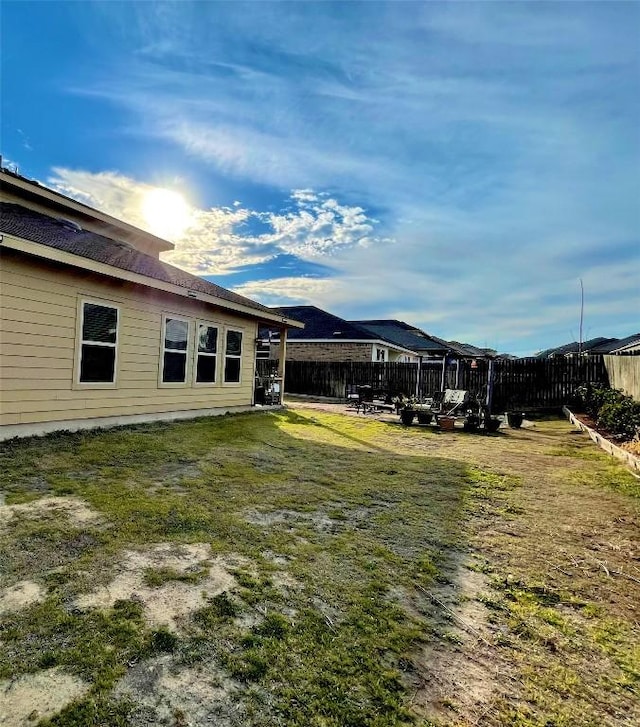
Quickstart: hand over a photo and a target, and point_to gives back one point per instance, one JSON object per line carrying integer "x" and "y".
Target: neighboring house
{"x": 326, "y": 337}
{"x": 402, "y": 334}
{"x": 425, "y": 345}
{"x": 96, "y": 330}
{"x": 629, "y": 344}
{"x": 594, "y": 346}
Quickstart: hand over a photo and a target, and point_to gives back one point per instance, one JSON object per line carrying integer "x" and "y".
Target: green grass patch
{"x": 334, "y": 525}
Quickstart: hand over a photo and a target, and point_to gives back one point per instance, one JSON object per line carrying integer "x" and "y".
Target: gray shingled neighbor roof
{"x": 615, "y": 344}
{"x": 319, "y": 324}
{"x": 402, "y": 334}
{"x": 575, "y": 347}
{"x": 34, "y": 226}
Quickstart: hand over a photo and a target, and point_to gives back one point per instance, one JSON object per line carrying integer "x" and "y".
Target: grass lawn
{"x": 312, "y": 569}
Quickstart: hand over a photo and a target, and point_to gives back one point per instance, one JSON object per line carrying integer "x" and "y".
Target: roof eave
{"x": 52, "y": 254}
{"x": 32, "y": 189}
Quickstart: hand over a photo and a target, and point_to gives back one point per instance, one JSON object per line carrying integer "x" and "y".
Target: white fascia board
{"x": 60, "y": 256}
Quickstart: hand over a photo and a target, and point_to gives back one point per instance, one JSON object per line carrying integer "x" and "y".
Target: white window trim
{"x": 163, "y": 350}
{"x": 196, "y": 353}
{"x": 243, "y": 333}
{"x": 80, "y": 342}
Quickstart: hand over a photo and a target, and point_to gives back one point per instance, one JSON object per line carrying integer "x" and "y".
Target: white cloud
{"x": 219, "y": 240}
{"x": 497, "y": 146}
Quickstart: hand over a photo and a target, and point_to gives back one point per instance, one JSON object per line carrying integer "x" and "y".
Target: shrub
{"x": 621, "y": 417}
{"x": 593, "y": 398}
{"x": 612, "y": 409}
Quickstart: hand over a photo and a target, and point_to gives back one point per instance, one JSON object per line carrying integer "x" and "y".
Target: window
{"x": 206, "y": 354}
{"x": 380, "y": 354}
{"x": 174, "y": 361}
{"x": 232, "y": 356}
{"x": 99, "y": 339}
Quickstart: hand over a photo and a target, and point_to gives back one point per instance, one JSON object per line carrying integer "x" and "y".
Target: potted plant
{"x": 425, "y": 417}
{"x": 406, "y": 408}
{"x": 447, "y": 422}
{"x": 491, "y": 424}
{"x": 515, "y": 419}
{"x": 472, "y": 422}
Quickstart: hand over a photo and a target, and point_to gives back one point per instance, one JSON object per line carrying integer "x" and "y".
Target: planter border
{"x": 630, "y": 460}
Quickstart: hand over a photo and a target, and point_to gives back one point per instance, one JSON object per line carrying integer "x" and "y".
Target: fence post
{"x": 490, "y": 385}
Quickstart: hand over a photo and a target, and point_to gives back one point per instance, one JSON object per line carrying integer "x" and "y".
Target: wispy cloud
{"x": 459, "y": 165}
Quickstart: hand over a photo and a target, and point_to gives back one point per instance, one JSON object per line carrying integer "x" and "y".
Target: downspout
{"x": 444, "y": 372}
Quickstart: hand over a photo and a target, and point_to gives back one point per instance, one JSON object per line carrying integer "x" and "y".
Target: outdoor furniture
{"x": 364, "y": 398}
{"x": 272, "y": 394}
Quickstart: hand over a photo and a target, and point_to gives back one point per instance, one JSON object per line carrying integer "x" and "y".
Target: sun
{"x": 166, "y": 212}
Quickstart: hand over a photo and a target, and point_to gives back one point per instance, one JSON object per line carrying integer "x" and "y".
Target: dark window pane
{"x": 99, "y": 323}
{"x": 206, "y": 369}
{"x": 232, "y": 369}
{"x": 175, "y": 367}
{"x": 207, "y": 339}
{"x": 176, "y": 334}
{"x": 234, "y": 343}
{"x": 98, "y": 364}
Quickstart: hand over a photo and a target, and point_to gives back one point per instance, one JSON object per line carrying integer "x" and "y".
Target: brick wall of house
{"x": 326, "y": 351}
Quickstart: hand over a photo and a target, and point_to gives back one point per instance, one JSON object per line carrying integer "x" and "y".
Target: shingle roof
{"x": 615, "y": 344}
{"x": 575, "y": 347}
{"x": 321, "y": 324}
{"x": 34, "y": 226}
{"x": 402, "y": 334}
{"x": 466, "y": 349}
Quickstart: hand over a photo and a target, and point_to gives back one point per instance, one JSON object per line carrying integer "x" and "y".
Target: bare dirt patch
{"x": 19, "y": 595}
{"x": 49, "y": 508}
{"x": 318, "y": 520}
{"x": 33, "y": 697}
{"x": 458, "y": 673}
{"x": 170, "y": 603}
{"x": 166, "y": 695}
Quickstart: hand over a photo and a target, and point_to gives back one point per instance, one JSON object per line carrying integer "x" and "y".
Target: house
{"x": 630, "y": 344}
{"x": 594, "y": 346}
{"x": 426, "y": 345}
{"x": 96, "y": 330}
{"x": 403, "y": 334}
{"x": 327, "y": 337}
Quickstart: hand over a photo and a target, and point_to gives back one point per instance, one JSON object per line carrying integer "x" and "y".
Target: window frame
{"x": 196, "y": 352}
{"x": 80, "y": 342}
{"x": 163, "y": 349}
{"x": 243, "y": 333}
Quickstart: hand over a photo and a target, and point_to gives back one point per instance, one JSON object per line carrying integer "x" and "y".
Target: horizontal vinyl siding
{"x": 38, "y": 312}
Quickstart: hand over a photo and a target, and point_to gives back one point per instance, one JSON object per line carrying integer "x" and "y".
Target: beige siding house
{"x": 95, "y": 330}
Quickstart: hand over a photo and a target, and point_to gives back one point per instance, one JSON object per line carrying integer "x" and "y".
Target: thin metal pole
{"x": 581, "y": 314}
{"x": 444, "y": 372}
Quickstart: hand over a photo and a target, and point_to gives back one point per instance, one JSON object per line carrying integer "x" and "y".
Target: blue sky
{"x": 459, "y": 166}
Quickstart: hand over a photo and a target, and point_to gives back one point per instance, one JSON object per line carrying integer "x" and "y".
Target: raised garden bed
{"x": 586, "y": 424}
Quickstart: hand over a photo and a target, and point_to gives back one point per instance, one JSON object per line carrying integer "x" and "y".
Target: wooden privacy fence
{"x": 541, "y": 383}
{"x": 331, "y": 378}
{"x": 624, "y": 373}
{"x": 522, "y": 383}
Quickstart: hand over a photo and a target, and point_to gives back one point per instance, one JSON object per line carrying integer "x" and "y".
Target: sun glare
{"x": 166, "y": 212}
